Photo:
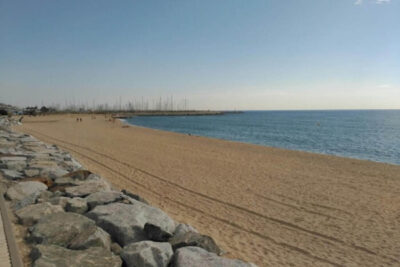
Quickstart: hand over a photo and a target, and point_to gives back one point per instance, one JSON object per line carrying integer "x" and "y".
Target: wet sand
{"x": 270, "y": 206}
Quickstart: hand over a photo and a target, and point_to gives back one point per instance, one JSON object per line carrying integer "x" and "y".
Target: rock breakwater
{"x": 76, "y": 218}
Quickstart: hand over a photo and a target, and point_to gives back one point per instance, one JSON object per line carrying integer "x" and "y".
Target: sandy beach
{"x": 269, "y": 206}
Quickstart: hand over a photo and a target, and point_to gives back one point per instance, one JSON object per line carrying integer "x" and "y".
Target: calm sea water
{"x": 364, "y": 134}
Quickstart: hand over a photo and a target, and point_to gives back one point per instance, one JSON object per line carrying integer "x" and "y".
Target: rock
{"x": 198, "y": 257}
{"x": 134, "y": 196}
{"x": 53, "y": 172}
{"x": 12, "y": 158}
{"x": 31, "y": 172}
{"x": 125, "y": 222}
{"x": 12, "y": 174}
{"x": 62, "y": 201}
{"x": 77, "y": 205}
{"x": 115, "y": 248}
{"x": 69, "y": 230}
{"x": 102, "y": 198}
{"x": 87, "y": 188}
{"x": 47, "y": 181}
{"x": 24, "y": 189}
{"x": 16, "y": 165}
{"x": 155, "y": 233}
{"x": 44, "y": 196}
{"x": 196, "y": 240}
{"x": 55, "y": 256}
{"x": 31, "y": 199}
{"x": 66, "y": 181}
{"x": 32, "y": 213}
{"x": 27, "y": 139}
{"x": 42, "y": 164}
{"x": 79, "y": 174}
{"x": 147, "y": 254}
{"x": 182, "y": 229}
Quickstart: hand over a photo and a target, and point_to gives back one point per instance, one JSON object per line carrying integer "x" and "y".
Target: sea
{"x": 362, "y": 134}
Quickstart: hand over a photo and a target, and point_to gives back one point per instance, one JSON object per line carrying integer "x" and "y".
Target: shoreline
{"x": 262, "y": 204}
{"x": 128, "y": 115}
{"x": 123, "y": 121}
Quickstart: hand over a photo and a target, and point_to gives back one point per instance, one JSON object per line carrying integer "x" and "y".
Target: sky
{"x": 233, "y": 54}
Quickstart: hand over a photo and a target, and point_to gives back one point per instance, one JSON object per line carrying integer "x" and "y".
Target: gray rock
{"x": 198, "y": 257}
{"x": 55, "y": 256}
{"x": 102, "y": 198}
{"x": 31, "y": 199}
{"x": 16, "y": 165}
{"x": 13, "y": 159}
{"x": 59, "y": 200}
{"x": 31, "y": 172}
{"x": 69, "y": 230}
{"x": 12, "y": 174}
{"x": 24, "y": 189}
{"x": 32, "y": 213}
{"x": 28, "y": 139}
{"x": 44, "y": 196}
{"x": 134, "y": 196}
{"x": 77, "y": 205}
{"x": 53, "y": 173}
{"x": 125, "y": 222}
{"x": 155, "y": 233}
{"x": 87, "y": 188}
{"x": 115, "y": 248}
{"x": 182, "y": 229}
{"x": 79, "y": 175}
{"x": 196, "y": 240}
{"x": 43, "y": 164}
{"x": 66, "y": 181}
{"x": 147, "y": 254}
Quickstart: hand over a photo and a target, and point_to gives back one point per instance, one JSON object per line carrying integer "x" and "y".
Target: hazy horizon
{"x": 218, "y": 55}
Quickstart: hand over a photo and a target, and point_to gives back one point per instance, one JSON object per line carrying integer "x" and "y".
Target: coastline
{"x": 127, "y": 124}
{"x": 263, "y": 204}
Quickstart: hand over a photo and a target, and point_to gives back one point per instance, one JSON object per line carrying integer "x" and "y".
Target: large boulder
{"x": 147, "y": 254}
{"x": 77, "y": 205}
{"x": 198, "y": 257}
{"x": 32, "y": 213}
{"x": 125, "y": 222}
{"x": 102, "y": 198}
{"x": 24, "y": 189}
{"x": 87, "y": 188}
{"x": 55, "y": 256}
{"x": 69, "y": 230}
{"x": 195, "y": 239}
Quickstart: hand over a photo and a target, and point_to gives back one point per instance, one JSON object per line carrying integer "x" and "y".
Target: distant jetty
{"x": 172, "y": 113}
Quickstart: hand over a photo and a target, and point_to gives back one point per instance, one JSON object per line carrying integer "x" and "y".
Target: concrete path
{"x": 9, "y": 253}
{"x": 4, "y": 254}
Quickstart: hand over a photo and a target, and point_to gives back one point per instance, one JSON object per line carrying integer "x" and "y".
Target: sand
{"x": 270, "y": 206}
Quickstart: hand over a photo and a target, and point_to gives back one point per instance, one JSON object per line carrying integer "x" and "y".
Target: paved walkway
{"x": 4, "y": 254}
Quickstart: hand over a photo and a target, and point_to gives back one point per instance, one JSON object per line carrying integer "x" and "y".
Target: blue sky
{"x": 271, "y": 54}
